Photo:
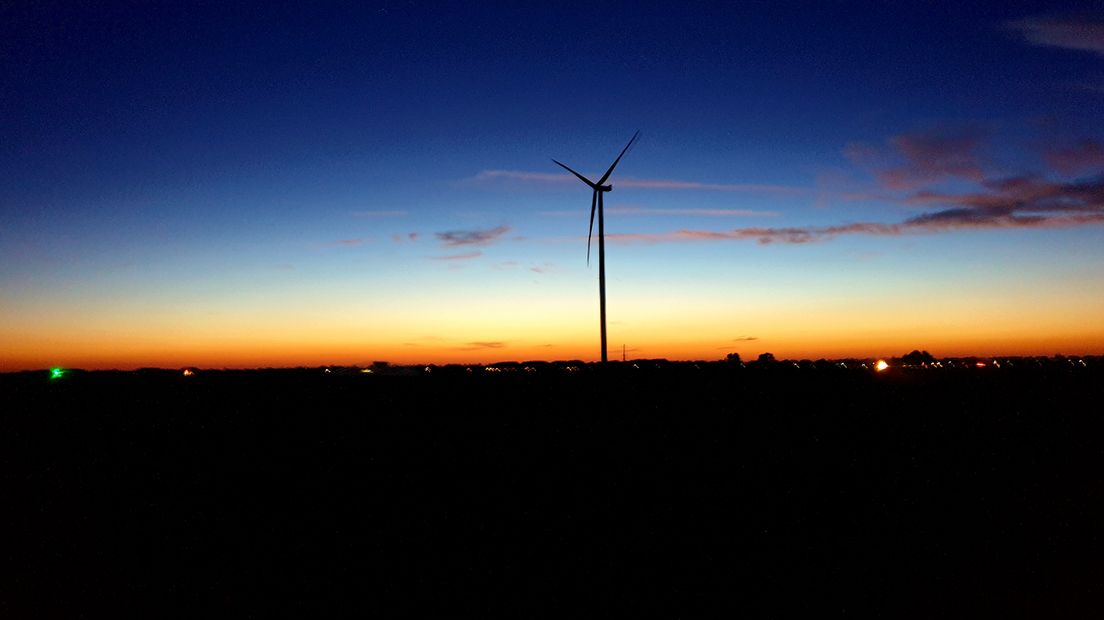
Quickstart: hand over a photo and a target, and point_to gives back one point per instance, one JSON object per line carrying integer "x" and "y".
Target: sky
{"x": 241, "y": 185}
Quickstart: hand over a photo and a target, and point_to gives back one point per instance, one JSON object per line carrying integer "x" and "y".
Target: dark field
{"x": 954, "y": 493}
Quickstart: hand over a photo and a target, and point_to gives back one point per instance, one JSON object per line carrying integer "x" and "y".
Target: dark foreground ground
{"x": 681, "y": 494}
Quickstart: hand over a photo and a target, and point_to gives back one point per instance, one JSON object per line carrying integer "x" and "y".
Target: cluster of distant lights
{"x": 879, "y": 366}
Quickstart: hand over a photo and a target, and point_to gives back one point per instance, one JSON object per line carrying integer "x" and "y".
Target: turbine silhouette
{"x": 596, "y": 204}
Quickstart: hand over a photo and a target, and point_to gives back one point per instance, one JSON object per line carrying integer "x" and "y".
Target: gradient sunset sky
{"x": 223, "y": 185}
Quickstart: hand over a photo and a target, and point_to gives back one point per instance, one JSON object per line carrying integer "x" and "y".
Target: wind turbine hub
{"x": 605, "y": 188}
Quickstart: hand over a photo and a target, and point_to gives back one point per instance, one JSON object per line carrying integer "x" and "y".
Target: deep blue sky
{"x": 99, "y": 98}
{"x": 140, "y": 137}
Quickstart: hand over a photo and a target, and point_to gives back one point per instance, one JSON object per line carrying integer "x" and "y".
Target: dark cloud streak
{"x": 1016, "y": 202}
{"x": 456, "y": 238}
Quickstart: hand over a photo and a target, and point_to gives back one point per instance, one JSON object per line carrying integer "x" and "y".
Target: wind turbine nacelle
{"x": 605, "y": 188}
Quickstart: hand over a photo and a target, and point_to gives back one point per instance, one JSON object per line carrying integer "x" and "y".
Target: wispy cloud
{"x": 464, "y": 256}
{"x": 348, "y": 243}
{"x": 759, "y": 188}
{"x": 1085, "y": 154}
{"x": 918, "y": 158}
{"x": 745, "y": 339}
{"x": 377, "y": 213}
{"x": 474, "y": 346}
{"x": 454, "y": 238}
{"x": 522, "y": 175}
{"x": 1015, "y": 202}
{"x": 634, "y": 210}
{"x": 1082, "y": 32}
{"x": 673, "y": 184}
{"x": 400, "y": 238}
{"x": 760, "y": 234}
{"x": 545, "y": 268}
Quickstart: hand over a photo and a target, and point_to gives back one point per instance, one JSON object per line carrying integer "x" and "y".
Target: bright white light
{"x": 881, "y": 365}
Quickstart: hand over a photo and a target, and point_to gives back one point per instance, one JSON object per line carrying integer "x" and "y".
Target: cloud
{"x": 399, "y": 238}
{"x": 1014, "y": 202}
{"x": 545, "y": 268}
{"x": 474, "y": 346}
{"x": 347, "y": 243}
{"x": 376, "y": 213}
{"x": 1024, "y": 193}
{"x": 760, "y": 188}
{"x": 740, "y": 339}
{"x": 522, "y": 175}
{"x": 921, "y": 157}
{"x": 764, "y": 236}
{"x": 464, "y": 256}
{"x": 552, "y": 177}
{"x": 1085, "y": 33}
{"x": 455, "y": 238}
{"x": 1086, "y": 154}
{"x": 633, "y": 210}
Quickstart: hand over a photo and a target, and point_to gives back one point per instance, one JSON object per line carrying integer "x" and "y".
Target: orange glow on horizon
{"x": 260, "y": 354}
{"x": 541, "y": 328}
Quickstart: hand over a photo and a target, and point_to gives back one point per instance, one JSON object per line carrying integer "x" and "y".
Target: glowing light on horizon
{"x": 881, "y": 365}
{"x": 56, "y": 373}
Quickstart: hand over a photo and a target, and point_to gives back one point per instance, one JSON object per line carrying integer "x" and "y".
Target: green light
{"x": 56, "y": 373}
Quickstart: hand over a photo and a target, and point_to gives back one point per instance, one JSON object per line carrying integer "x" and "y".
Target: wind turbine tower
{"x": 596, "y": 204}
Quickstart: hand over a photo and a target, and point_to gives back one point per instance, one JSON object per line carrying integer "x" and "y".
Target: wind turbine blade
{"x": 614, "y": 164}
{"x": 581, "y": 177}
{"x": 593, "y": 204}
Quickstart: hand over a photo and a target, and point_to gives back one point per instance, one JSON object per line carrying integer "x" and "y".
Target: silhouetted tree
{"x": 766, "y": 358}
{"x": 733, "y": 358}
{"x": 918, "y": 357}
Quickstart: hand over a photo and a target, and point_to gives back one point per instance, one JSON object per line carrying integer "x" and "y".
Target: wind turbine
{"x": 596, "y": 203}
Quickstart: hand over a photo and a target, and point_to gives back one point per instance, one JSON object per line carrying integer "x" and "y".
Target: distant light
{"x": 56, "y": 373}
{"x": 980, "y": 364}
{"x": 881, "y": 365}
{"x": 188, "y": 372}
{"x": 366, "y": 371}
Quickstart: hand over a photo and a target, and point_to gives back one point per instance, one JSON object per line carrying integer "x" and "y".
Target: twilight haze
{"x": 289, "y": 185}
